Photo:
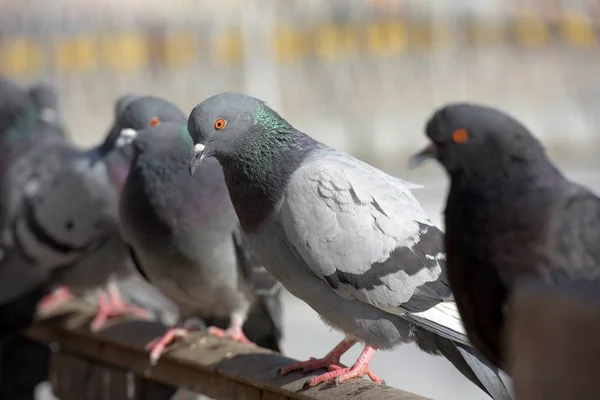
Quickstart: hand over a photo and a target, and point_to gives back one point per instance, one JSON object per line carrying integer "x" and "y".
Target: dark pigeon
{"x": 511, "y": 216}
{"x": 185, "y": 238}
{"x": 343, "y": 236}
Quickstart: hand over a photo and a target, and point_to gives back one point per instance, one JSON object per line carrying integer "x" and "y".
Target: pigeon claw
{"x": 54, "y": 300}
{"x": 309, "y": 365}
{"x": 158, "y": 345}
{"x": 234, "y": 333}
{"x": 339, "y": 374}
{"x": 112, "y": 308}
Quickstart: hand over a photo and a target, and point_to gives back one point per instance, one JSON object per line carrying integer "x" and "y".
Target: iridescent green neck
{"x": 270, "y": 120}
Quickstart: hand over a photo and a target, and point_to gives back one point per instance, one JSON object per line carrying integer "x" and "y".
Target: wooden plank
{"x": 552, "y": 342}
{"x": 218, "y": 368}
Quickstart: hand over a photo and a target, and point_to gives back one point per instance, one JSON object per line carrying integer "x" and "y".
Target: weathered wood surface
{"x": 553, "y": 342}
{"x": 218, "y": 368}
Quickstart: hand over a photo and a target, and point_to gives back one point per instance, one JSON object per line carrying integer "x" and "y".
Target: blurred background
{"x": 360, "y": 75}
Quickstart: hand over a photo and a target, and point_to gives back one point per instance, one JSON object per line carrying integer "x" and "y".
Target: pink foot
{"x": 332, "y": 358}
{"x": 158, "y": 345}
{"x": 114, "y": 307}
{"x": 55, "y": 299}
{"x": 234, "y": 333}
{"x": 340, "y": 374}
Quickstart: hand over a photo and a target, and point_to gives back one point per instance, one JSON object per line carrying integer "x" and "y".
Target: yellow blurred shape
{"x": 21, "y": 56}
{"x": 125, "y": 52}
{"x": 288, "y": 44}
{"x": 76, "y": 54}
{"x": 228, "y": 47}
{"x": 387, "y": 39}
{"x": 484, "y": 34}
{"x": 531, "y": 31}
{"x": 421, "y": 36}
{"x": 179, "y": 49}
{"x": 577, "y": 30}
{"x": 333, "y": 42}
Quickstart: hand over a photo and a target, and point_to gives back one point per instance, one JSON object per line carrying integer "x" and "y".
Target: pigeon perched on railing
{"x": 185, "y": 238}
{"x": 343, "y": 236}
{"x": 511, "y": 217}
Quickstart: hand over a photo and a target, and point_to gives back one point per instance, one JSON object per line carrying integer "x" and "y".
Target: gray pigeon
{"x": 20, "y": 123}
{"x": 185, "y": 238}
{"x": 511, "y": 216}
{"x": 346, "y": 238}
{"x": 63, "y": 225}
{"x": 21, "y": 129}
{"x": 45, "y": 99}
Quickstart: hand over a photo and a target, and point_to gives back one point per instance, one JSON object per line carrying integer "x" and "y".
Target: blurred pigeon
{"x": 45, "y": 99}
{"x": 348, "y": 239}
{"x": 185, "y": 238}
{"x": 64, "y": 225}
{"x": 19, "y": 123}
{"x": 511, "y": 216}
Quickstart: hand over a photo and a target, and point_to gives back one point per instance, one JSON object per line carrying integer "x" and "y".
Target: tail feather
{"x": 445, "y": 337}
{"x": 487, "y": 374}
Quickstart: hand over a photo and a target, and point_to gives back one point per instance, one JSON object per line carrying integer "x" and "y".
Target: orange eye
{"x": 219, "y": 124}
{"x": 154, "y": 121}
{"x": 460, "y": 136}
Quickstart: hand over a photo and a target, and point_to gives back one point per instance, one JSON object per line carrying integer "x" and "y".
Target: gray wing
{"x": 28, "y": 174}
{"x": 267, "y": 288}
{"x": 62, "y": 223}
{"x": 364, "y": 233}
{"x": 576, "y": 225}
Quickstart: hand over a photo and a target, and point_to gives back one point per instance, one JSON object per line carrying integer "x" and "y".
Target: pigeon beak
{"x": 429, "y": 152}
{"x": 197, "y": 157}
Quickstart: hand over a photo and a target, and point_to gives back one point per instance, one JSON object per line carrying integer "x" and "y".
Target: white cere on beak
{"x": 127, "y": 135}
{"x": 198, "y": 148}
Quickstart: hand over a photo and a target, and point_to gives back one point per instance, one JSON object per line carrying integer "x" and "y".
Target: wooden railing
{"x": 553, "y": 353}
{"x": 113, "y": 364}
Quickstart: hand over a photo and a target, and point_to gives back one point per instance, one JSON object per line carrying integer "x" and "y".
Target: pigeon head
{"x": 137, "y": 113}
{"x": 160, "y": 136}
{"x": 467, "y": 138}
{"x": 140, "y": 112}
{"x": 232, "y": 124}
{"x": 45, "y": 98}
{"x": 122, "y": 103}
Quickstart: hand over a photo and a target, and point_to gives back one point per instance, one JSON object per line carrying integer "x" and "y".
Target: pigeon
{"x": 185, "y": 238}
{"x": 63, "y": 229}
{"x": 346, "y": 238}
{"x": 18, "y": 121}
{"x": 511, "y": 216}
{"x": 45, "y": 99}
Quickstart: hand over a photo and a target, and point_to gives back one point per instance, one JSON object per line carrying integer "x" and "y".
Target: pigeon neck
{"x": 525, "y": 189}
{"x": 258, "y": 178}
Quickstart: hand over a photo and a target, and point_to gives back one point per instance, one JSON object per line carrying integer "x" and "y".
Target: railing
{"x": 114, "y": 365}
{"x": 553, "y": 354}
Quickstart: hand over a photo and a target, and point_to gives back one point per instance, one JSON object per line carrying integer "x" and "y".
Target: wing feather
{"x": 364, "y": 233}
